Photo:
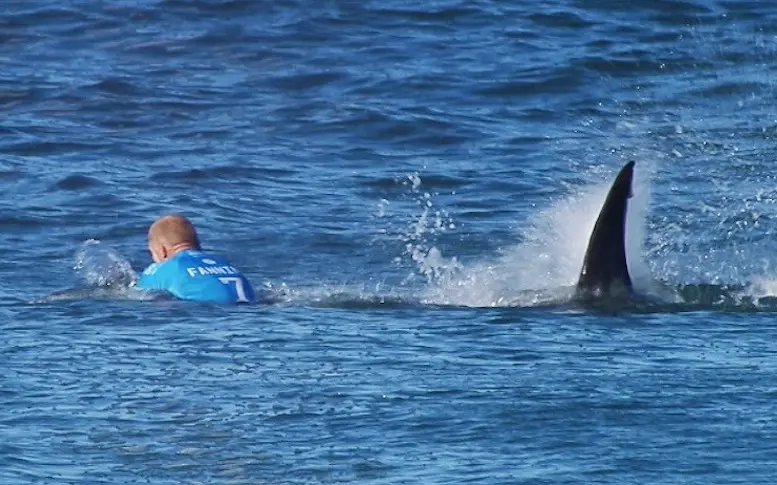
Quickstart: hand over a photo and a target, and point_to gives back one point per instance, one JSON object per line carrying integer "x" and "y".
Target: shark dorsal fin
{"x": 605, "y": 272}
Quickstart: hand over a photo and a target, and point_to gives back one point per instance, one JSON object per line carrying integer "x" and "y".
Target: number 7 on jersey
{"x": 241, "y": 293}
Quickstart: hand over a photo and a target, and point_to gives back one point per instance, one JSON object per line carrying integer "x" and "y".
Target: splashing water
{"x": 541, "y": 270}
{"x": 432, "y": 222}
{"x": 100, "y": 265}
{"x": 108, "y": 276}
{"x": 545, "y": 265}
{"x": 417, "y": 237}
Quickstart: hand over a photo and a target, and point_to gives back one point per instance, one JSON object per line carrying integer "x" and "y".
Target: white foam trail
{"x": 353, "y": 295}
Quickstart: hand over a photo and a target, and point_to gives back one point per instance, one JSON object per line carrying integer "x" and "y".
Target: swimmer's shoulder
{"x": 203, "y": 258}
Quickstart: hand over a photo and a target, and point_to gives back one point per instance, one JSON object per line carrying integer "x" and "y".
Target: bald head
{"x": 171, "y": 234}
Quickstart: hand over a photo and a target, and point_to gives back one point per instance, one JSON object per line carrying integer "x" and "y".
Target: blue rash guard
{"x": 194, "y": 275}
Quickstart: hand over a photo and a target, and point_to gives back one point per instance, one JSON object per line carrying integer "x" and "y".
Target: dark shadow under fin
{"x": 605, "y": 273}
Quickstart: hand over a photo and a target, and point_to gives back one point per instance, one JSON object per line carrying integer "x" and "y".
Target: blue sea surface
{"x": 411, "y": 187}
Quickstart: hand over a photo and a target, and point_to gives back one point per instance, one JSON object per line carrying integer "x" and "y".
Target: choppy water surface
{"x": 411, "y": 188}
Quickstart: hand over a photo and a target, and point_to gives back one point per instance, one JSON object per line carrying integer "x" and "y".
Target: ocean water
{"x": 411, "y": 186}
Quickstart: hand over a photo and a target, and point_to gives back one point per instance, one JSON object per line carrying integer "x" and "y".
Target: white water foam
{"x": 106, "y": 274}
{"x": 100, "y": 265}
{"x": 761, "y": 290}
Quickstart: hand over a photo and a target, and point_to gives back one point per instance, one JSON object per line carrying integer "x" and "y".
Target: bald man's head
{"x": 171, "y": 234}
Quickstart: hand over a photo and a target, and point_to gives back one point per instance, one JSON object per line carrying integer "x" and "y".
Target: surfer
{"x": 181, "y": 268}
